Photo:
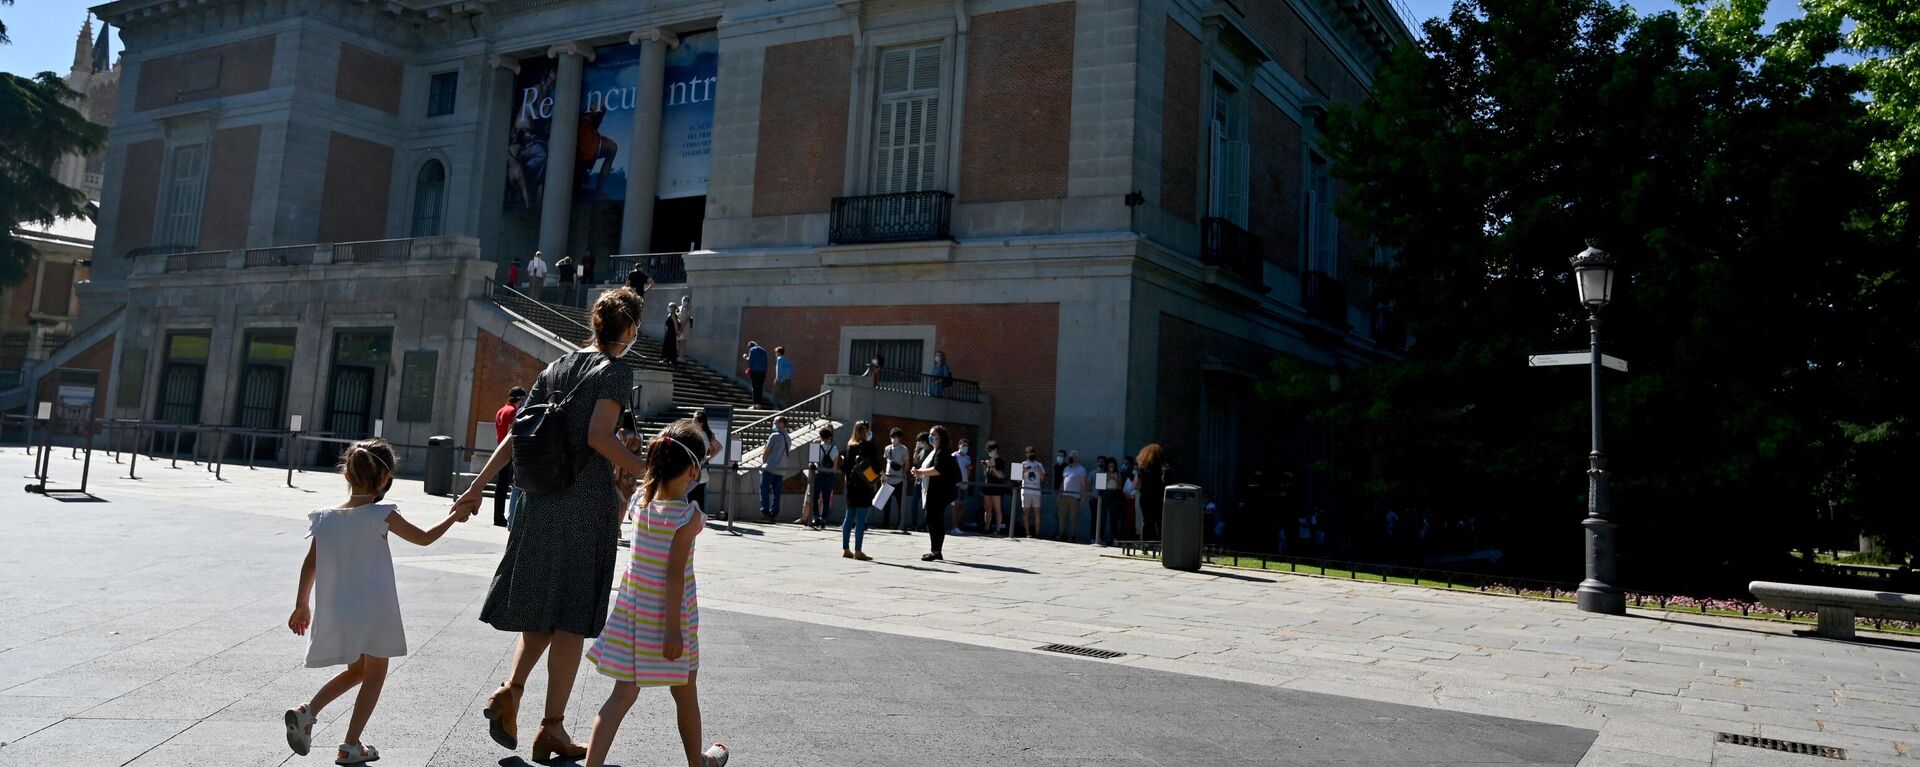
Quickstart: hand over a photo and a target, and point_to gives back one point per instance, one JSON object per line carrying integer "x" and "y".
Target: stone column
{"x": 556, "y": 204}
{"x": 643, "y": 174}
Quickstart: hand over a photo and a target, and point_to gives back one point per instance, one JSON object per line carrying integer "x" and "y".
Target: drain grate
{"x": 1787, "y": 746}
{"x": 1084, "y": 652}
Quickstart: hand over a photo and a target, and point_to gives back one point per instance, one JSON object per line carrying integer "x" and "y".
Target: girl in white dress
{"x": 355, "y": 619}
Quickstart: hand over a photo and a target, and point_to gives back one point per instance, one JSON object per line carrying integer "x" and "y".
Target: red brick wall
{"x": 139, "y": 192}
{"x": 1284, "y": 32}
{"x": 974, "y": 337}
{"x": 1018, "y": 105}
{"x": 1180, "y": 123}
{"x": 497, "y": 367}
{"x": 1275, "y": 183}
{"x": 803, "y": 127}
{"x": 223, "y": 221}
{"x": 353, "y": 199}
{"x": 368, "y": 79}
{"x": 21, "y": 298}
{"x": 244, "y": 67}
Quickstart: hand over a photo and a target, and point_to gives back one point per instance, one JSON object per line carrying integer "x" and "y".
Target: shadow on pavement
{"x": 1237, "y": 576}
{"x": 995, "y": 568}
{"x": 913, "y": 567}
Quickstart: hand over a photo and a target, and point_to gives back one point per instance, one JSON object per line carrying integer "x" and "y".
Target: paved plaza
{"x": 145, "y": 626}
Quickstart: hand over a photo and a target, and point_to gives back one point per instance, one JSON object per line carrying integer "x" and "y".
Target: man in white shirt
{"x": 1073, "y": 484}
{"x": 1033, "y": 477}
{"x": 537, "y": 274}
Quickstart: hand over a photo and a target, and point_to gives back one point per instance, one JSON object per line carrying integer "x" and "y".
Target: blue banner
{"x": 608, "y": 87}
{"x": 686, "y": 122}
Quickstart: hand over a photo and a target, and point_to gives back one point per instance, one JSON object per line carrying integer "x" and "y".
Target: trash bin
{"x": 439, "y": 480}
{"x": 1182, "y": 527}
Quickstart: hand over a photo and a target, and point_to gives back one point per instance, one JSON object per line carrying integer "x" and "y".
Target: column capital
{"x": 570, "y": 48}
{"x": 654, "y": 34}
{"x": 502, "y": 62}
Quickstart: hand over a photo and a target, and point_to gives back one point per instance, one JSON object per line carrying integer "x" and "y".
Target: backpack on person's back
{"x": 544, "y": 460}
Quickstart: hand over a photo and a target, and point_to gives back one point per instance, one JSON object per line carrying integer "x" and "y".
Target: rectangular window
{"x": 54, "y": 294}
{"x": 185, "y": 186}
{"x": 440, "y": 93}
{"x": 1227, "y": 150}
{"x": 901, "y": 357}
{"x": 906, "y": 137}
{"x": 1318, "y": 221}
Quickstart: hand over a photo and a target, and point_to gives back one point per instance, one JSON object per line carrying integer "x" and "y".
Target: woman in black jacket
{"x": 1150, "y": 483}
{"x": 861, "y": 456}
{"x": 939, "y": 477}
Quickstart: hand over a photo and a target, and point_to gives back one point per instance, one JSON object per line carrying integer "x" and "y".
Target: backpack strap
{"x": 605, "y": 360}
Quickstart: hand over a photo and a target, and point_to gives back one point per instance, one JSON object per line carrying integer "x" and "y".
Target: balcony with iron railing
{"x": 900, "y": 217}
{"x": 923, "y": 384}
{"x": 1227, "y": 246}
{"x": 1325, "y": 299}
{"x": 664, "y": 268}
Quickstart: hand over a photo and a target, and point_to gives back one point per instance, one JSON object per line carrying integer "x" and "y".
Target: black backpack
{"x": 544, "y": 461}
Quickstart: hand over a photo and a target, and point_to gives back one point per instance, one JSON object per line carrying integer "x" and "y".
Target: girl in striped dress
{"x": 653, "y": 635}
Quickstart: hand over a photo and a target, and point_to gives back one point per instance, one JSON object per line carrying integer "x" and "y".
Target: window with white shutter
{"x": 1227, "y": 170}
{"x": 906, "y": 138}
{"x": 185, "y": 186}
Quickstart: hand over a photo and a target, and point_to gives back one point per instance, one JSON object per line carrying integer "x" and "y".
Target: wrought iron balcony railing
{"x": 1236, "y": 250}
{"x": 902, "y": 217}
{"x": 1325, "y": 298}
{"x": 664, "y": 268}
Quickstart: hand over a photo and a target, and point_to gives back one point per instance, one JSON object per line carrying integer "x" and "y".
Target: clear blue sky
{"x": 43, "y": 32}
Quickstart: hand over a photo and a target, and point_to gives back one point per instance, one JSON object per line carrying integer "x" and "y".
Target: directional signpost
{"x": 1575, "y": 358}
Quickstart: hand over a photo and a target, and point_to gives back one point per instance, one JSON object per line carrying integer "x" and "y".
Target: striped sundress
{"x": 629, "y": 647}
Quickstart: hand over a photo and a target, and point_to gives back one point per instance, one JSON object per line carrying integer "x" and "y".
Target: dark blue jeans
{"x": 770, "y": 494}
{"x": 821, "y": 491}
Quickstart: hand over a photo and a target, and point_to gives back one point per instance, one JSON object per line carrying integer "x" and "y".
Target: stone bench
{"x": 1836, "y": 607}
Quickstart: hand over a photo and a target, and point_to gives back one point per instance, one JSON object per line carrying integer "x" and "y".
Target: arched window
{"x": 429, "y": 199}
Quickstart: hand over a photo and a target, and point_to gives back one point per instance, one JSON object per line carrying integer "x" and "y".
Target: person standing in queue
{"x": 939, "y": 476}
{"x": 1150, "y": 482}
{"x": 503, "y": 489}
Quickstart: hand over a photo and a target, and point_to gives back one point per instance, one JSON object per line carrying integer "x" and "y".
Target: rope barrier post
{"x": 133, "y": 458}
{"x": 175, "y": 458}
{"x": 86, "y": 465}
{"x": 252, "y": 441}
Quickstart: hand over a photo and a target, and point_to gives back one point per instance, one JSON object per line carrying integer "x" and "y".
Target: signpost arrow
{"x": 1575, "y": 358}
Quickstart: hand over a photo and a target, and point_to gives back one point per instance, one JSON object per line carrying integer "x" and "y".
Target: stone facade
{"x": 1102, "y": 162}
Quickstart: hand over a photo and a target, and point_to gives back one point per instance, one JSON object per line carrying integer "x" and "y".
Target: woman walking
{"x": 865, "y": 472}
{"x": 1150, "y": 482}
{"x": 552, "y": 583}
{"x": 670, "y": 335}
{"x": 653, "y": 636}
{"x": 939, "y": 478}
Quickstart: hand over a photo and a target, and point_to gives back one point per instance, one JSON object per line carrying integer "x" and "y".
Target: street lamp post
{"x": 1593, "y": 271}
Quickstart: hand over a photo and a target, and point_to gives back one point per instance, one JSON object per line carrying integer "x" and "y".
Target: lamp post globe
{"x": 1593, "y": 272}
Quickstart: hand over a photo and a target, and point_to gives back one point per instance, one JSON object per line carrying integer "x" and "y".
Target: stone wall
{"x": 353, "y": 202}
{"x": 228, "y": 204}
{"x": 226, "y": 70}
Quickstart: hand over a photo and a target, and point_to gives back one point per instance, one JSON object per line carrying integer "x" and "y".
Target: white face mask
{"x": 629, "y": 347}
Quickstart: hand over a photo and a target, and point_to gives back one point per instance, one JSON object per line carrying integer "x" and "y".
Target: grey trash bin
{"x": 1182, "y": 523}
{"x": 439, "y": 479}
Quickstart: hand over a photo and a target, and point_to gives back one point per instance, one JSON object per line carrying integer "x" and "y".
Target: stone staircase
{"x": 694, "y": 385}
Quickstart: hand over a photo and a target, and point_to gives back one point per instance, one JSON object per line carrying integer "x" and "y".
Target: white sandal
{"x": 300, "y": 729}
{"x": 716, "y": 756}
{"x": 352, "y": 754}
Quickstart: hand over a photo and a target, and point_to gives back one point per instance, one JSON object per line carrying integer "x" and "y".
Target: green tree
{"x": 1718, "y": 161}
{"x": 38, "y": 125}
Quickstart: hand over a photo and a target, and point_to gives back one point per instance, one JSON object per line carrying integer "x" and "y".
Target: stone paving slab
{"x": 1655, "y": 686}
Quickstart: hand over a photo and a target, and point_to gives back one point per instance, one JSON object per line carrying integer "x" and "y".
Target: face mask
{"x": 629, "y": 346}
{"x": 964, "y": 450}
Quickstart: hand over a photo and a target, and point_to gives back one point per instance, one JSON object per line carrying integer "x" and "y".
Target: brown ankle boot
{"x": 503, "y": 714}
{"x": 546, "y": 744}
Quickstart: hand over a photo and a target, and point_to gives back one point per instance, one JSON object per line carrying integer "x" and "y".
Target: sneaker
{"x": 299, "y": 729}
{"x": 956, "y": 531}
{"x": 716, "y": 756}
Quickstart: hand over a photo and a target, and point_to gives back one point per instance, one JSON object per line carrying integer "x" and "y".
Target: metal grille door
{"x": 261, "y": 393}
{"x": 904, "y": 355}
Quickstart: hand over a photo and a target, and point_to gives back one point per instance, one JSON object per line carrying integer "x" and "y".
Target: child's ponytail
{"x": 366, "y": 464}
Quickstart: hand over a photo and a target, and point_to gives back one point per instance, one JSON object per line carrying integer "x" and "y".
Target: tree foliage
{"x": 1722, "y": 163}
{"x": 38, "y": 125}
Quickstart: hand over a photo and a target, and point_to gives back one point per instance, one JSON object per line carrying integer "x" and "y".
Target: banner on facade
{"x": 608, "y": 88}
{"x": 686, "y": 122}
{"x": 527, "y": 142}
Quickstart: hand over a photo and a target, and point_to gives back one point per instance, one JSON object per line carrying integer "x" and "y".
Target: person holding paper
{"x": 938, "y": 474}
{"x": 897, "y": 457}
{"x": 862, "y": 463}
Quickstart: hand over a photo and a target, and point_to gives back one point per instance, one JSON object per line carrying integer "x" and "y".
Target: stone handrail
{"x": 1836, "y": 607}
{"x": 444, "y": 247}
